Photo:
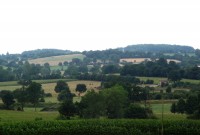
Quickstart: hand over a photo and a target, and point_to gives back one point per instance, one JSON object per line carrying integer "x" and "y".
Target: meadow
{"x": 54, "y": 60}
{"x": 158, "y": 79}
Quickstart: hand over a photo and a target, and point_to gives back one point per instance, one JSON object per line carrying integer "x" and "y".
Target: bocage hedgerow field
{"x": 54, "y": 60}
{"x": 31, "y": 122}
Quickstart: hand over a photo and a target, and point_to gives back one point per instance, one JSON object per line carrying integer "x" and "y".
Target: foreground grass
{"x": 27, "y": 115}
{"x": 102, "y": 127}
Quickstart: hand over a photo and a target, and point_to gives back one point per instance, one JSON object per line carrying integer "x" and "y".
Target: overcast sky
{"x": 96, "y": 24}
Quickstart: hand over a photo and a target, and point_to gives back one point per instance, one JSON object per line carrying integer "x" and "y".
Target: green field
{"x": 28, "y": 115}
{"x": 157, "y": 80}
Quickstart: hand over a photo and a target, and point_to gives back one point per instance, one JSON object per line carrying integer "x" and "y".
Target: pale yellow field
{"x": 140, "y": 60}
{"x": 49, "y": 88}
{"x": 54, "y": 60}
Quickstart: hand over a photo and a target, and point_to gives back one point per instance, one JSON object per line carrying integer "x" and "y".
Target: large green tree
{"x": 81, "y": 88}
{"x": 61, "y": 85}
{"x": 92, "y": 105}
{"x": 35, "y": 93}
{"x": 7, "y": 98}
{"x": 180, "y": 107}
{"x": 116, "y": 99}
{"x": 67, "y": 108}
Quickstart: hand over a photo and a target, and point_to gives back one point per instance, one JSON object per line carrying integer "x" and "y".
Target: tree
{"x": 109, "y": 69}
{"x": 61, "y": 85}
{"x": 7, "y": 98}
{"x": 191, "y": 104}
{"x": 35, "y": 93}
{"x": 173, "y": 108}
{"x": 92, "y": 105}
{"x": 135, "y": 111}
{"x": 61, "y": 65}
{"x": 169, "y": 89}
{"x": 174, "y": 76}
{"x": 21, "y": 96}
{"x": 115, "y": 101}
{"x": 180, "y": 106}
{"x": 81, "y": 88}
{"x": 67, "y": 108}
{"x": 65, "y": 95}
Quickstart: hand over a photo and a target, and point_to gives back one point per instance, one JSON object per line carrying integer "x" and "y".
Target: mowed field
{"x": 49, "y": 88}
{"x": 54, "y": 60}
{"x": 140, "y": 60}
{"x": 49, "y": 85}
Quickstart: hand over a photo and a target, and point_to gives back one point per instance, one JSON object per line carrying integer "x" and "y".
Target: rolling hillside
{"x": 54, "y": 60}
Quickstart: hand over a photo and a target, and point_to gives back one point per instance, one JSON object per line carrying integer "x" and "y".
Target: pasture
{"x": 49, "y": 85}
{"x": 158, "y": 79}
{"x": 54, "y": 60}
{"x": 140, "y": 60}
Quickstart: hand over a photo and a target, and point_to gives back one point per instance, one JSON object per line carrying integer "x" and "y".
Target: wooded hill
{"x": 164, "y": 48}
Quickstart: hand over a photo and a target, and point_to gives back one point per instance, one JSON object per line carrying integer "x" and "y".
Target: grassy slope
{"x": 54, "y": 60}
{"x": 157, "y": 79}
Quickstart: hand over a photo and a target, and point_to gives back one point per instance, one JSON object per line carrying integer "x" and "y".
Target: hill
{"x": 54, "y": 60}
{"x": 162, "y": 48}
{"x": 41, "y": 53}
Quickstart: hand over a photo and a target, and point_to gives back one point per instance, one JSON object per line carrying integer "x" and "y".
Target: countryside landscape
{"x": 144, "y": 89}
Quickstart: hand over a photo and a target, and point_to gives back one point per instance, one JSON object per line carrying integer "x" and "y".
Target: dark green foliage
{"x": 101, "y": 127}
{"x": 197, "y": 52}
{"x": 34, "y": 93}
{"x": 164, "y": 48}
{"x": 81, "y": 88}
{"x": 92, "y": 105}
{"x": 65, "y": 95}
{"x": 191, "y": 104}
{"x": 7, "y": 98}
{"x": 135, "y": 111}
{"x": 40, "y": 53}
{"x": 116, "y": 99}
{"x": 61, "y": 85}
{"x": 169, "y": 89}
{"x": 21, "y": 96}
{"x": 110, "y": 69}
{"x": 6, "y": 75}
{"x": 174, "y": 76}
{"x": 173, "y": 108}
{"x": 180, "y": 107}
{"x": 47, "y": 94}
{"x": 67, "y": 108}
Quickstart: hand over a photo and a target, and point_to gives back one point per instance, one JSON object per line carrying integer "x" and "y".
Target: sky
{"x": 80, "y": 25}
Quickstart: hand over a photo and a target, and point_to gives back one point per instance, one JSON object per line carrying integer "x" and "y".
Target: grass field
{"x": 157, "y": 109}
{"x": 157, "y": 79}
{"x": 49, "y": 85}
{"x": 49, "y": 88}
{"x": 28, "y": 115}
{"x": 54, "y": 60}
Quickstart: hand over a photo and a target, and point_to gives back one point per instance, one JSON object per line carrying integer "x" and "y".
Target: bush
{"x": 48, "y": 95}
{"x": 135, "y": 111}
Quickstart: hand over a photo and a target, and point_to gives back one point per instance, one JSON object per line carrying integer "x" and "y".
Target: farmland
{"x": 54, "y": 60}
{"x": 158, "y": 79}
{"x": 49, "y": 85}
